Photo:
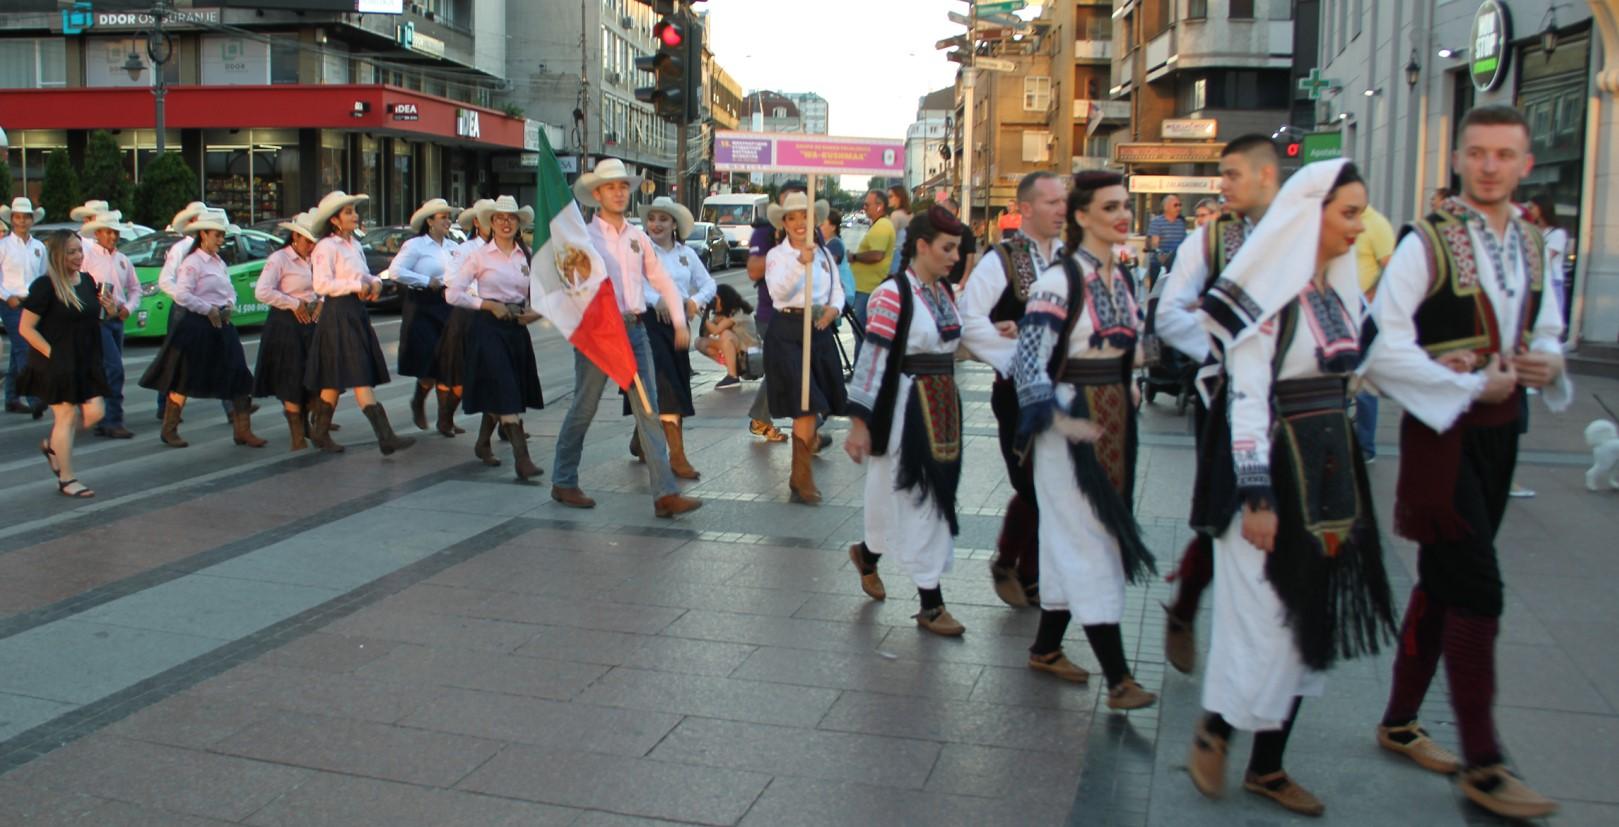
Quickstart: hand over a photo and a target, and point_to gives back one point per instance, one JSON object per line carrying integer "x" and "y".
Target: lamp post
{"x": 159, "y": 48}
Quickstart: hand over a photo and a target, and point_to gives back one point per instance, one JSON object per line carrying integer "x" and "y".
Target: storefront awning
{"x": 370, "y": 108}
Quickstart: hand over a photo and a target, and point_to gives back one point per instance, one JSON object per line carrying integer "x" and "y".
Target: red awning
{"x": 382, "y": 109}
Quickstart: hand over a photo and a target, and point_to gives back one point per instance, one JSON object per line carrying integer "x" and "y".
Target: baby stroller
{"x": 1175, "y": 374}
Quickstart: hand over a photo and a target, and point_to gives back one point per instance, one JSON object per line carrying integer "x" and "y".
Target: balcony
{"x": 1159, "y": 51}
{"x": 1111, "y": 110}
{"x": 1093, "y": 50}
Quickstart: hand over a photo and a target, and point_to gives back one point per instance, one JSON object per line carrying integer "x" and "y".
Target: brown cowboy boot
{"x": 320, "y": 426}
{"x": 672, "y": 431}
{"x": 387, "y": 441}
{"x": 418, "y": 406}
{"x": 525, "y": 467}
{"x": 295, "y": 427}
{"x": 241, "y": 421}
{"x": 480, "y": 448}
{"x": 802, "y": 481}
{"x": 447, "y": 402}
{"x": 171, "y": 425}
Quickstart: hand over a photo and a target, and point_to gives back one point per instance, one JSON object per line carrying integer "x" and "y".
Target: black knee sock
{"x": 931, "y": 598}
{"x": 1217, "y": 726}
{"x": 1269, "y": 745}
{"x": 1053, "y": 625}
{"x": 868, "y": 559}
{"x": 1108, "y": 644}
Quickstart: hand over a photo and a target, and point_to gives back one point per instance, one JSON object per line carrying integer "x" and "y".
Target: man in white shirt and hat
{"x": 631, "y": 262}
{"x": 22, "y": 259}
{"x": 113, "y": 274}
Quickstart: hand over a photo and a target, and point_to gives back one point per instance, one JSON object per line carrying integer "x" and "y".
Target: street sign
{"x": 1196, "y": 129}
{"x": 1322, "y": 146}
{"x": 1314, "y": 84}
{"x": 957, "y": 42}
{"x": 1001, "y": 6}
{"x": 959, "y": 19}
{"x": 1167, "y": 153}
{"x": 1193, "y": 185}
{"x": 995, "y": 64}
{"x": 807, "y": 154}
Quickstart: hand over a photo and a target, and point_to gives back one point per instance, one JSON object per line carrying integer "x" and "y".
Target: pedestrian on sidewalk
{"x": 502, "y": 378}
{"x": 420, "y": 268}
{"x": 165, "y": 282}
{"x": 1250, "y": 175}
{"x": 113, "y": 273}
{"x": 726, "y": 334}
{"x": 345, "y": 353}
{"x": 898, "y": 200}
{"x": 785, "y": 342}
{"x": 1472, "y": 258}
{"x": 1299, "y": 581}
{"x": 1207, "y": 210}
{"x": 449, "y": 359}
{"x": 1165, "y": 232}
{"x": 873, "y": 259}
{"x": 1076, "y": 351}
{"x": 22, "y": 260}
{"x": 203, "y": 354}
{"x": 764, "y": 239}
{"x": 632, "y": 265}
{"x": 668, "y": 223}
{"x": 60, "y": 323}
{"x": 992, "y": 303}
{"x": 905, "y": 421}
{"x": 287, "y": 286}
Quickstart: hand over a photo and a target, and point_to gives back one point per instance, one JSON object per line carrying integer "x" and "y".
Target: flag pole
{"x": 809, "y": 307}
{"x": 640, "y": 390}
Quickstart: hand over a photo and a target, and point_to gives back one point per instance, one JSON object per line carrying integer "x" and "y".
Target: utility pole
{"x": 968, "y": 84}
{"x": 159, "y": 48}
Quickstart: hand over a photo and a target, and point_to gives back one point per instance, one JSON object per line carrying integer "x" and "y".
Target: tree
{"x": 5, "y": 181}
{"x": 168, "y": 185}
{"x": 103, "y": 176}
{"x": 60, "y": 193}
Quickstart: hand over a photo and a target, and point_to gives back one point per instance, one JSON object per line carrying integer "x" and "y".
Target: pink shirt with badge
{"x": 498, "y": 275}
{"x": 339, "y": 267}
{"x": 203, "y": 283}
{"x": 112, "y": 267}
{"x": 630, "y": 260}
{"x": 287, "y": 280}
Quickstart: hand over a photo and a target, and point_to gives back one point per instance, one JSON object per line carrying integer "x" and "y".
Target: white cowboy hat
{"x": 796, "y": 202}
{"x": 672, "y": 208}
{"x": 105, "y": 220}
{"x": 5, "y": 215}
{"x": 22, "y": 204}
{"x": 479, "y": 211}
{"x": 298, "y": 224}
{"x": 508, "y": 204}
{"x": 607, "y": 170}
{"x": 332, "y": 204}
{"x": 432, "y": 207}
{"x": 185, "y": 216}
{"x": 210, "y": 219}
{"x": 89, "y": 210}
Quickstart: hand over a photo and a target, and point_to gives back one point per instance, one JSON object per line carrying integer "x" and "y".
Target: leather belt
{"x": 1093, "y": 371}
{"x": 632, "y": 318}
{"x": 929, "y": 364}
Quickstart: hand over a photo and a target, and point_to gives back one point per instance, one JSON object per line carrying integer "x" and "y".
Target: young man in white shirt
{"x": 22, "y": 259}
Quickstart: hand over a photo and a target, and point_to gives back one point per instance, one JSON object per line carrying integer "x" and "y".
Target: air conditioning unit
{"x": 626, "y": 23}
{"x": 613, "y": 77}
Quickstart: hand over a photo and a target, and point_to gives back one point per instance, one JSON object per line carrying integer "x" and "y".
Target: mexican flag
{"x": 568, "y": 281}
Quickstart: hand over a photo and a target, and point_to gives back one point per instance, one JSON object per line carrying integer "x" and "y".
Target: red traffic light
{"x": 668, "y": 33}
{"x": 1293, "y": 150}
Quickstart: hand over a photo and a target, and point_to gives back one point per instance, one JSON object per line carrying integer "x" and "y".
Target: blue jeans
{"x": 1366, "y": 423}
{"x": 860, "y": 300}
{"x": 588, "y": 384}
{"x": 112, "y": 364}
{"x": 12, "y": 317}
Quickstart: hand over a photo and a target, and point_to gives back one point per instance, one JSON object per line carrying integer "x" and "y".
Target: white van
{"x": 735, "y": 215}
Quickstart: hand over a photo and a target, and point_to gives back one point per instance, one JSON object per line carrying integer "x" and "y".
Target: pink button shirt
{"x": 498, "y": 275}
{"x": 203, "y": 284}
{"x": 287, "y": 281}
{"x": 631, "y": 261}
{"x": 112, "y": 267}
{"x": 339, "y": 266}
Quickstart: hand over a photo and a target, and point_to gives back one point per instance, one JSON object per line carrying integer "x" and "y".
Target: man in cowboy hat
{"x": 121, "y": 296}
{"x": 630, "y": 260}
{"x": 22, "y": 259}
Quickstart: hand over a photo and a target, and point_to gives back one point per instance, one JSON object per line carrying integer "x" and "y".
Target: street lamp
{"x": 159, "y": 47}
{"x": 1413, "y": 70}
{"x": 1548, "y": 38}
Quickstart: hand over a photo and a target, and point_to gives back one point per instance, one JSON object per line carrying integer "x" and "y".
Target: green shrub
{"x": 103, "y": 176}
{"x": 60, "y": 193}
{"x": 167, "y": 185}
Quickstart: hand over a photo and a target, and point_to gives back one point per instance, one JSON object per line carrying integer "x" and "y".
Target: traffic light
{"x": 1293, "y": 148}
{"x": 668, "y": 67}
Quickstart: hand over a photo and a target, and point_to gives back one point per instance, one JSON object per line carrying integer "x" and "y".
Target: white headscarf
{"x": 1278, "y": 260}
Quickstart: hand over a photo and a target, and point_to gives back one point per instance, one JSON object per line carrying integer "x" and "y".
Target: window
{"x": 1036, "y": 93}
{"x": 1242, "y": 9}
{"x": 1197, "y": 9}
{"x": 1036, "y": 146}
{"x": 1356, "y": 16}
{"x": 284, "y": 59}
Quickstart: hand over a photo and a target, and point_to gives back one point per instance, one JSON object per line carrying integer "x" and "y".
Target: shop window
{"x": 368, "y": 176}
{"x": 1242, "y": 9}
{"x": 401, "y": 182}
{"x": 334, "y": 163}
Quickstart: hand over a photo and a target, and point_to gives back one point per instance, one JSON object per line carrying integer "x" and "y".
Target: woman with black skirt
{"x": 502, "y": 379}
{"x": 345, "y": 353}
{"x": 61, "y": 322}
{"x": 784, "y": 339}
{"x": 449, "y": 360}
{"x": 287, "y": 285}
{"x": 203, "y": 355}
{"x": 420, "y": 269}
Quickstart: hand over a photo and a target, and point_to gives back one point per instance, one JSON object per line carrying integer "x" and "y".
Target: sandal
{"x": 82, "y": 494}
{"x": 50, "y": 458}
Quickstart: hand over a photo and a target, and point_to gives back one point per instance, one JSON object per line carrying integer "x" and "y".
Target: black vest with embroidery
{"x": 1221, "y": 241}
{"x": 1457, "y": 314}
{"x": 1017, "y": 261}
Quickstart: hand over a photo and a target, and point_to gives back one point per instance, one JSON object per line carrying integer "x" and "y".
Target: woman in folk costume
{"x": 1299, "y": 580}
{"x": 502, "y": 378}
{"x": 421, "y": 267}
{"x": 345, "y": 353}
{"x": 667, "y": 222}
{"x": 784, "y": 339}
{"x": 287, "y": 286}
{"x": 1075, "y": 353}
{"x": 203, "y": 354}
{"x": 449, "y": 360}
{"x": 905, "y": 419}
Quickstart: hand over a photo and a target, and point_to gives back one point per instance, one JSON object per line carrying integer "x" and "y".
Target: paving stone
{"x": 78, "y": 662}
{"x": 191, "y": 721}
{"x": 959, "y": 721}
{"x": 629, "y": 786}
{"x": 869, "y": 759}
{"x": 545, "y": 723}
{"x": 653, "y": 590}
{"x": 1023, "y": 686}
{"x": 901, "y": 608}
{"x": 27, "y": 805}
{"x": 597, "y": 818}
{"x": 868, "y": 673}
{"x": 461, "y": 497}
{"x": 361, "y": 748}
{"x": 329, "y": 800}
{"x": 712, "y": 697}
{"x": 535, "y": 578}
{"x": 297, "y": 690}
{"x": 323, "y": 652}
{"x": 982, "y": 648}
{"x": 654, "y": 652}
{"x": 125, "y": 814}
{"x": 218, "y": 607}
{"x": 1562, "y": 754}
{"x": 792, "y": 633}
{"x": 585, "y": 614}
{"x": 995, "y": 772}
{"x": 435, "y": 630}
{"x": 19, "y": 713}
{"x": 558, "y": 680}
{"x": 795, "y": 802}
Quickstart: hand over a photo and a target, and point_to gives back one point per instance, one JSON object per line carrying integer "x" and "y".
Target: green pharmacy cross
{"x": 1315, "y": 84}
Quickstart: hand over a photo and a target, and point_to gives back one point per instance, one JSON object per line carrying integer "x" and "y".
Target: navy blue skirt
{"x": 449, "y": 360}
{"x": 344, "y": 353}
{"x": 500, "y": 373}
{"x": 283, "y": 357}
{"x": 423, "y": 316}
{"x": 784, "y": 369}
{"x": 200, "y": 360}
{"x": 671, "y": 365}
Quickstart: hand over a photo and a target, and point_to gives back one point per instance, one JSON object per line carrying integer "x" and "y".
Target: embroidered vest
{"x": 1017, "y": 261}
{"x": 1457, "y": 314}
{"x": 1224, "y": 238}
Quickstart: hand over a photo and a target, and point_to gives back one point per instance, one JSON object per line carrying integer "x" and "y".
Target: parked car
{"x": 244, "y": 253}
{"x": 708, "y": 240}
{"x": 130, "y": 232}
{"x": 381, "y": 244}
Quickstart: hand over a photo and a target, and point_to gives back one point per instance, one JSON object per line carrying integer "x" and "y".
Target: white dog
{"x": 1603, "y": 439}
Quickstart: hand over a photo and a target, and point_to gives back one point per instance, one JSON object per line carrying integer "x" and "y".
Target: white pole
{"x": 967, "y": 148}
{"x": 809, "y": 294}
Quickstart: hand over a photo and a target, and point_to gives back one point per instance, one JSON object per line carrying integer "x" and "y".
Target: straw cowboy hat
{"x": 508, "y": 204}
{"x": 22, "y": 204}
{"x": 5, "y": 215}
{"x": 185, "y": 216}
{"x": 796, "y": 202}
{"x": 607, "y": 171}
{"x": 331, "y": 205}
{"x": 89, "y": 210}
{"x": 479, "y": 212}
{"x": 432, "y": 207}
{"x": 672, "y": 208}
{"x": 105, "y": 220}
{"x": 299, "y": 224}
{"x": 210, "y": 219}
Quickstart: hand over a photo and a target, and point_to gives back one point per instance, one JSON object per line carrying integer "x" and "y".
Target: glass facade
{"x": 368, "y": 176}
{"x": 251, "y": 173}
